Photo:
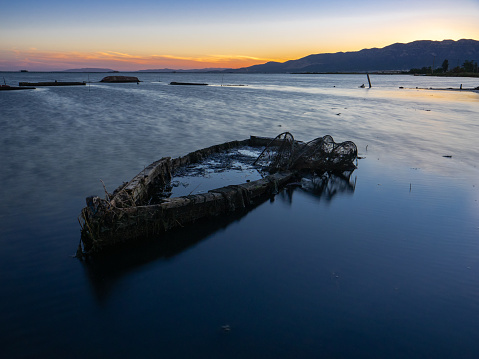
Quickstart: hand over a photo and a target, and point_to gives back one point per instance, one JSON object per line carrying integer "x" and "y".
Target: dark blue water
{"x": 385, "y": 266}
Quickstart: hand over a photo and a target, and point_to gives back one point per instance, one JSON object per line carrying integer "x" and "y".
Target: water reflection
{"x": 322, "y": 187}
{"x": 328, "y": 185}
{"x": 422, "y": 242}
{"x": 108, "y": 268}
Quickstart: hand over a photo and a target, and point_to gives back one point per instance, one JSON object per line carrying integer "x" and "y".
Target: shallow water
{"x": 388, "y": 267}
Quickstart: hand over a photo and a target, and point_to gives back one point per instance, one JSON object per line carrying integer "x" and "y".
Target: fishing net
{"x": 323, "y": 152}
{"x": 278, "y": 154}
{"x": 284, "y": 153}
{"x": 328, "y": 184}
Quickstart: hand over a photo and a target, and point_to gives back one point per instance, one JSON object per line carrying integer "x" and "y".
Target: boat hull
{"x": 126, "y": 214}
{"x": 106, "y": 226}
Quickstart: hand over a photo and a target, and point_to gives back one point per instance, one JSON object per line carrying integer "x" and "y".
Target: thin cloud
{"x": 46, "y": 60}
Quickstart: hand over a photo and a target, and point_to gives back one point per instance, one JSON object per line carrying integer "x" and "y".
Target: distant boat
{"x": 188, "y": 83}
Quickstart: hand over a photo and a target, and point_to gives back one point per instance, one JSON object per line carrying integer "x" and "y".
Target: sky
{"x": 127, "y": 35}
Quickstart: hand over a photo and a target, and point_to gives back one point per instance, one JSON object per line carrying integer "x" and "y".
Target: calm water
{"x": 385, "y": 266}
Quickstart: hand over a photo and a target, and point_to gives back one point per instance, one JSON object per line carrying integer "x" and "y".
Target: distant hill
{"x": 90, "y": 69}
{"x": 396, "y": 57}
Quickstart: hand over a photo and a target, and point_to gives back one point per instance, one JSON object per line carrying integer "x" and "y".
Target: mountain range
{"x": 395, "y": 57}
{"x": 89, "y": 69}
{"x": 197, "y": 70}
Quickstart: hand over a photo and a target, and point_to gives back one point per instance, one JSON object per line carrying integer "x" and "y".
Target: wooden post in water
{"x": 369, "y": 81}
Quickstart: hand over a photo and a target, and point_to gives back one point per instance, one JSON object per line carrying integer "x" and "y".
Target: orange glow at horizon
{"x": 124, "y": 61}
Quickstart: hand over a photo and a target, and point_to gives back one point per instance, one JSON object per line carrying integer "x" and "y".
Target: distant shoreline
{"x": 476, "y": 89}
{"x": 467, "y": 75}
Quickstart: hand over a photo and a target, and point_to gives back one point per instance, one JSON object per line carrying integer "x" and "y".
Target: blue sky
{"x": 128, "y": 35}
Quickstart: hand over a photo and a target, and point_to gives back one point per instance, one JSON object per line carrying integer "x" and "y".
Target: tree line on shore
{"x": 468, "y": 68}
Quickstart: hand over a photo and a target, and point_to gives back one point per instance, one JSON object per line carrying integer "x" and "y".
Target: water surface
{"x": 386, "y": 266}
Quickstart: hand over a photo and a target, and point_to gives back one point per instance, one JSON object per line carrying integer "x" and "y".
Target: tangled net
{"x": 284, "y": 153}
{"x": 278, "y": 154}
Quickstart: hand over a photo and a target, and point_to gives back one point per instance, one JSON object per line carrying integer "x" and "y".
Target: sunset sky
{"x": 186, "y": 34}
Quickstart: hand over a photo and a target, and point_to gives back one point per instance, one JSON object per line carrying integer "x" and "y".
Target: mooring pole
{"x": 369, "y": 81}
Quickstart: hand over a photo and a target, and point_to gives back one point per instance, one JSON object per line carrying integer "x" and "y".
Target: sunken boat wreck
{"x": 152, "y": 202}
